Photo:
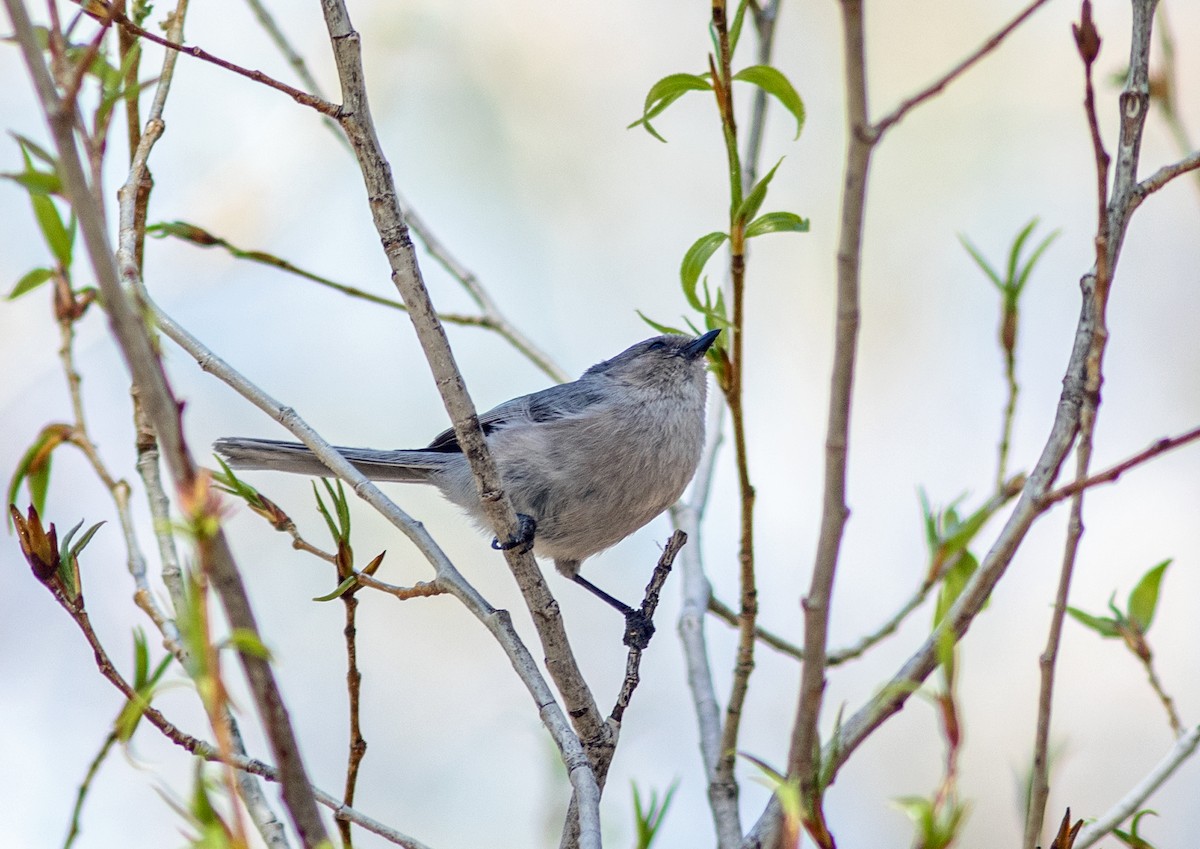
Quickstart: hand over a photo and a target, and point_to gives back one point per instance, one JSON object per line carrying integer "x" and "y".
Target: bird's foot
{"x": 638, "y": 630}
{"x": 523, "y": 540}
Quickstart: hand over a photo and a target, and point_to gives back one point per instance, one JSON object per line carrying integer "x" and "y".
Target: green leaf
{"x": 776, "y": 222}
{"x": 755, "y": 197}
{"x": 28, "y": 146}
{"x": 735, "y": 31}
{"x": 30, "y": 281}
{"x": 52, "y": 227}
{"x": 1101, "y": 625}
{"x": 1144, "y": 598}
{"x": 773, "y": 82}
{"x": 1019, "y": 283}
{"x": 340, "y": 591}
{"x": 34, "y": 465}
{"x": 36, "y": 182}
{"x": 661, "y": 328}
{"x": 1014, "y": 253}
{"x": 247, "y": 642}
{"x": 983, "y": 264}
{"x": 953, "y": 584}
{"x": 665, "y": 92}
{"x": 694, "y": 260}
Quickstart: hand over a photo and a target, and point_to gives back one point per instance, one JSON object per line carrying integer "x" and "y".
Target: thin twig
{"x": 1088, "y": 43}
{"x": 1112, "y": 473}
{"x": 633, "y": 661}
{"x": 85, "y": 786}
{"x": 357, "y": 745}
{"x": 1164, "y": 175}
{"x": 206, "y": 750}
{"x": 883, "y": 124}
{"x": 301, "y": 97}
{"x": 1167, "y": 702}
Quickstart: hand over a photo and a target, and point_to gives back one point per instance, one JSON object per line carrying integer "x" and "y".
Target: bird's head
{"x": 659, "y": 363}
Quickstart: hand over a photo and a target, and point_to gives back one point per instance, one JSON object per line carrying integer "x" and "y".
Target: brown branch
{"x": 883, "y": 124}
{"x": 1087, "y": 40}
{"x": 1113, "y": 473}
{"x": 206, "y": 750}
{"x": 301, "y": 97}
{"x": 803, "y": 764}
{"x": 358, "y": 745}
{"x": 633, "y": 661}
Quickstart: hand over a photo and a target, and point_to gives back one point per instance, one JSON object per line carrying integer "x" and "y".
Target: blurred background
{"x": 505, "y": 124}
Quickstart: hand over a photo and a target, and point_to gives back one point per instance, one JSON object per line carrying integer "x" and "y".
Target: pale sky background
{"x": 505, "y": 126}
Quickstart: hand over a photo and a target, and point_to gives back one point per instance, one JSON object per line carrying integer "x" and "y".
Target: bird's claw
{"x": 523, "y": 541}
{"x": 638, "y": 630}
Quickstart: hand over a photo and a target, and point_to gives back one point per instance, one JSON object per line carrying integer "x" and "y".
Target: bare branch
{"x": 1111, "y": 474}
{"x": 301, "y": 97}
{"x": 1183, "y": 749}
{"x": 885, "y": 123}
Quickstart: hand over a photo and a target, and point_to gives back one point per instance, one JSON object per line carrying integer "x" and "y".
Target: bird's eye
{"x": 657, "y": 345}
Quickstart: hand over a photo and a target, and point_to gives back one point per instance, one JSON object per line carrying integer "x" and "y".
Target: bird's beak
{"x": 697, "y": 347}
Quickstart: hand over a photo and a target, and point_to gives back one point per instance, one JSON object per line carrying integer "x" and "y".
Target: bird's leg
{"x": 638, "y": 627}
{"x": 523, "y": 541}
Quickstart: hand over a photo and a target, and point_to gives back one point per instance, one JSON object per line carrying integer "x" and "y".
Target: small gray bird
{"x": 586, "y": 463}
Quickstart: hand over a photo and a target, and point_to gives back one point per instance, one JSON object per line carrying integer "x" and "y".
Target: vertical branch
{"x": 1112, "y": 218}
{"x": 163, "y": 411}
{"x": 803, "y": 755}
{"x": 723, "y": 89}
{"x": 358, "y": 746}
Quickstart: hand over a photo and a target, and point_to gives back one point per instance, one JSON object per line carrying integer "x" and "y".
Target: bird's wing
{"x": 556, "y": 402}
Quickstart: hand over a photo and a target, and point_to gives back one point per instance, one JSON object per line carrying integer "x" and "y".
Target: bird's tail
{"x": 412, "y": 466}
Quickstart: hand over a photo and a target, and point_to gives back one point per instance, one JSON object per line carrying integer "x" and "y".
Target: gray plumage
{"x": 590, "y": 461}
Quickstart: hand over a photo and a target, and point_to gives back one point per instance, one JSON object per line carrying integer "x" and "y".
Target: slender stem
{"x": 1167, "y": 702}
{"x": 85, "y": 786}
{"x": 301, "y": 97}
{"x": 803, "y": 761}
{"x": 1088, "y": 43}
{"x": 744, "y": 665}
{"x": 358, "y": 746}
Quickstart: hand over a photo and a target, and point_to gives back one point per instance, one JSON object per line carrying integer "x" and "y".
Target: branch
{"x": 885, "y": 123}
{"x": 1162, "y": 176}
{"x": 209, "y": 752}
{"x": 357, "y": 123}
{"x": 1111, "y": 474}
{"x": 301, "y": 97}
{"x": 894, "y": 694}
{"x": 802, "y": 765}
{"x": 1183, "y": 749}
{"x": 163, "y": 411}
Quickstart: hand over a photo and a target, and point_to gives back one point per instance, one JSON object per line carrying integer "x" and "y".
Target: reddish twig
{"x": 302, "y": 97}
{"x": 1112, "y": 473}
{"x": 883, "y": 124}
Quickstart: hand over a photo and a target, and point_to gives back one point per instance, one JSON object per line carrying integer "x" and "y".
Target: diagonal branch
{"x": 887, "y": 121}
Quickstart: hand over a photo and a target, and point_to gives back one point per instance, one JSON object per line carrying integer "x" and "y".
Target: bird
{"x": 584, "y": 463}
